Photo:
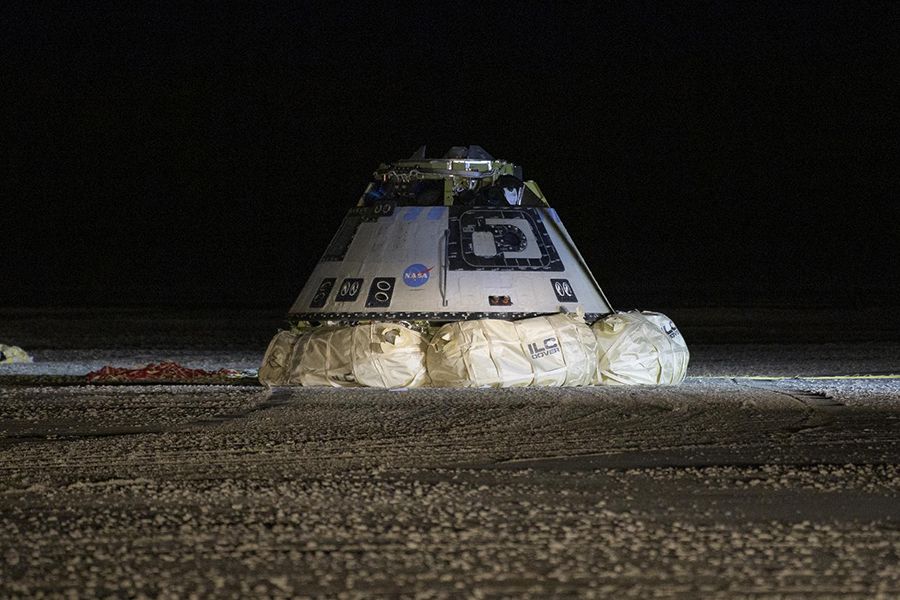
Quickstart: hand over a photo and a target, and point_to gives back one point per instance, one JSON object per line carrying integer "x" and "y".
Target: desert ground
{"x": 762, "y": 475}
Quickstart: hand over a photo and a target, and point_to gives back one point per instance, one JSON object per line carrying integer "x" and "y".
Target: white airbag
{"x": 640, "y": 348}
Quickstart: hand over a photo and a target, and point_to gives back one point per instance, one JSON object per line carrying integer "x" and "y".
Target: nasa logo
{"x": 416, "y": 275}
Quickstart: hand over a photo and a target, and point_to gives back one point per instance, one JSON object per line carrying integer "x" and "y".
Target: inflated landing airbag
{"x": 640, "y": 348}
{"x": 384, "y": 355}
{"x": 556, "y": 350}
{"x": 559, "y": 350}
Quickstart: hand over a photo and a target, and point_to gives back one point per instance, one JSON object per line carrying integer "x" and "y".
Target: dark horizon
{"x": 707, "y": 153}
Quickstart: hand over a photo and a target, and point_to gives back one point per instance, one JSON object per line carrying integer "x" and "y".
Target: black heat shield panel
{"x": 381, "y": 292}
{"x": 464, "y": 220}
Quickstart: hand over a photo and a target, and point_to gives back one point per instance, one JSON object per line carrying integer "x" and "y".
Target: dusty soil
{"x": 724, "y": 487}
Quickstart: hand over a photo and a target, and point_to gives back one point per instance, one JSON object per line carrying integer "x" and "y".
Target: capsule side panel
{"x": 449, "y": 263}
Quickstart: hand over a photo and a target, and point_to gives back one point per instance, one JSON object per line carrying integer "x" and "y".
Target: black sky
{"x": 698, "y": 152}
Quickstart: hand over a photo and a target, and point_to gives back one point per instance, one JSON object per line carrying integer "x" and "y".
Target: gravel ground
{"x": 724, "y": 487}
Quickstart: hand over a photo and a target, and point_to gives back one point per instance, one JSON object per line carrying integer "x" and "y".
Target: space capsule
{"x": 448, "y": 239}
{"x": 451, "y": 271}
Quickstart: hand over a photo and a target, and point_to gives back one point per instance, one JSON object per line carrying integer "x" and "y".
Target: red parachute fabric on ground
{"x": 161, "y": 372}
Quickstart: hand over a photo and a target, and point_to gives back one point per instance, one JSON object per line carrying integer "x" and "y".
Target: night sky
{"x": 699, "y": 153}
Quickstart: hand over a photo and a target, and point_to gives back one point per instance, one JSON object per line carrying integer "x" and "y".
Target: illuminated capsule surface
{"x": 448, "y": 239}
